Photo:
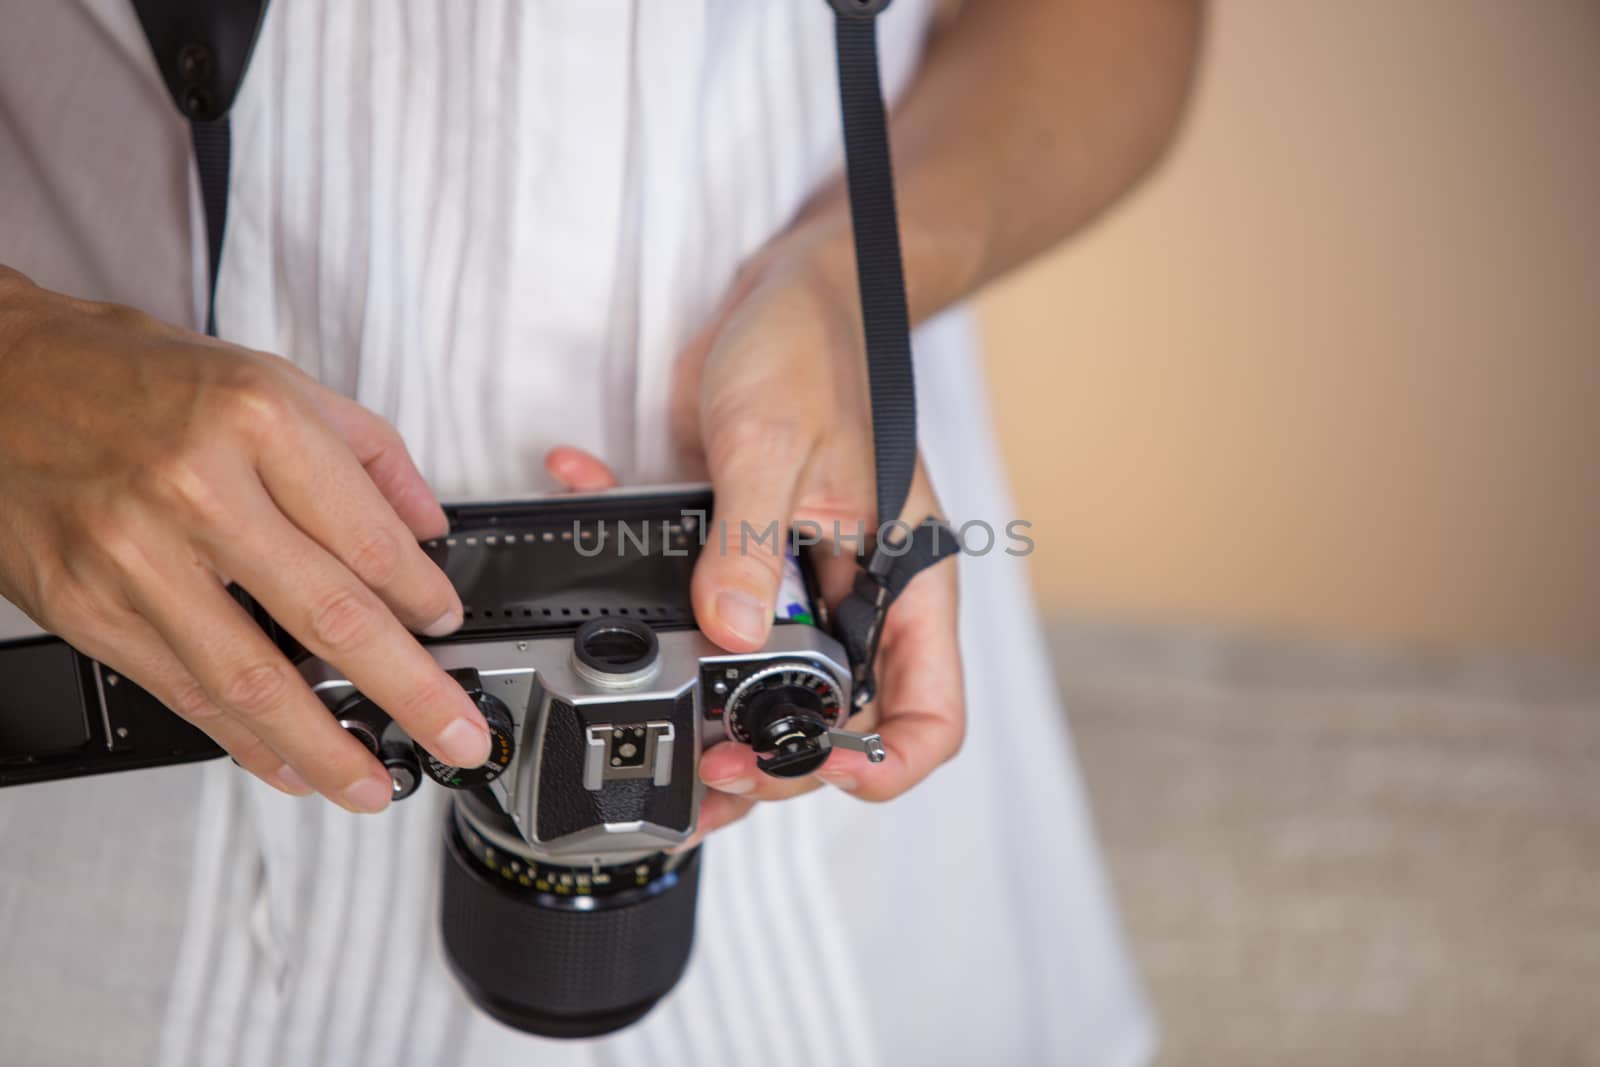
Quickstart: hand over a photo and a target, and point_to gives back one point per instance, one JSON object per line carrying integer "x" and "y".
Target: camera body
{"x": 565, "y": 909}
{"x": 567, "y": 903}
{"x": 567, "y": 906}
{"x": 596, "y": 751}
{"x": 579, "y": 646}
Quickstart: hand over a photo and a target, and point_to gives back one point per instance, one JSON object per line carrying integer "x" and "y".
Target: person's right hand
{"x": 142, "y": 467}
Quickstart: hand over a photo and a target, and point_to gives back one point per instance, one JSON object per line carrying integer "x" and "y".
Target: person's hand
{"x": 141, "y": 463}
{"x": 772, "y": 404}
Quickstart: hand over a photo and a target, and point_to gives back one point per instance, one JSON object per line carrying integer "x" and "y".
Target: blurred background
{"x": 1309, "y": 430}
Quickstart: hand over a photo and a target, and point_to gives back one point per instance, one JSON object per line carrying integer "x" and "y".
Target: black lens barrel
{"x": 565, "y": 967}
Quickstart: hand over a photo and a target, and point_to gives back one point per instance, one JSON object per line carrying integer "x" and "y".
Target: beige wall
{"x": 1336, "y": 369}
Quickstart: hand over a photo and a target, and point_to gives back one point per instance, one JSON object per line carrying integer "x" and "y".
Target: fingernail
{"x": 445, "y": 624}
{"x": 463, "y": 743}
{"x": 742, "y": 613}
{"x": 369, "y": 795}
{"x": 734, "y": 785}
{"x": 839, "y": 781}
{"x": 290, "y": 781}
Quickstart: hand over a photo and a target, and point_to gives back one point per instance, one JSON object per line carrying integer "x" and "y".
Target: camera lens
{"x": 556, "y": 950}
{"x": 614, "y": 651}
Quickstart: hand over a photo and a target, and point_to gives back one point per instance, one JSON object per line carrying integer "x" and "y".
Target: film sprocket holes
{"x": 565, "y": 910}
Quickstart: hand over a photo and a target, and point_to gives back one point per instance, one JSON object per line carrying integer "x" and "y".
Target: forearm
{"x": 1026, "y": 120}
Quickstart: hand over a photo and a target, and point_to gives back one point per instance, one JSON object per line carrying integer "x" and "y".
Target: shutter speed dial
{"x": 789, "y": 714}
{"x": 408, "y": 761}
{"x": 502, "y": 732}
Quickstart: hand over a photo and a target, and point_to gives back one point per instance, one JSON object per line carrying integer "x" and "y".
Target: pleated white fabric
{"x": 496, "y": 223}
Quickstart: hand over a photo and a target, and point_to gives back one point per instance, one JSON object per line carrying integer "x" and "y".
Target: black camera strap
{"x": 899, "y": 553}
{"x": 203, "y": 50}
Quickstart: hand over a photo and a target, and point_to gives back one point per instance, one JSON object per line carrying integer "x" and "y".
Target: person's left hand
{"x": 771, "y": 402}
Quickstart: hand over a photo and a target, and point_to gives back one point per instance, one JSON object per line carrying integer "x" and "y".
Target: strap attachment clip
{"x": 858, "y": 620}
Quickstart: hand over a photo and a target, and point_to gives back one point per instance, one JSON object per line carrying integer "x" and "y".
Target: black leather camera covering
{"x": 565, "y": 806}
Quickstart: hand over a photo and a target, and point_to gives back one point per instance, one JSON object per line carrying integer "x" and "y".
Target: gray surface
{"x": 1344, "y": 855}
{"x": 86, "y": 949}
{"x": 13, "y": 623}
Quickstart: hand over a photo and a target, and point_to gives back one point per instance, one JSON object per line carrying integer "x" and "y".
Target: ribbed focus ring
{"x": 559, "y": 971}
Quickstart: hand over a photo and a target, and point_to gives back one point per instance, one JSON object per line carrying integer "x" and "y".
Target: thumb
{"x": 755, "y": 474}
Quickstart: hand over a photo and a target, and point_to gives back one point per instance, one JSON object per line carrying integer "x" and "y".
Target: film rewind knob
{"x": 370, "y": 724}
{"x": 788, "y": 714}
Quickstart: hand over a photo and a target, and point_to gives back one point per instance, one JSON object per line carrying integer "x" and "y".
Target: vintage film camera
{"x": 565, "y": 909}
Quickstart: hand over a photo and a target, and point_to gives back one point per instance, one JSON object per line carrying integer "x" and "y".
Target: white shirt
{"x": 496, "y": 223}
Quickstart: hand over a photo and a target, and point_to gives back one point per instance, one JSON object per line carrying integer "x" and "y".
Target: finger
{"x": 245, "y": 675}
{"x": 716, "y": 811}
{"x": 312, "y": 595}
{"x": 335, "y": 501}
{"x": 730, "y": 767}
{"x": 138, "y": 654}
{"x": 755, "y": 469}
{"x": 389, "y": 466}
{"x": 836, "y": 571}
{"x": 920, "y": 704}
{"x": 578, "y": 471}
